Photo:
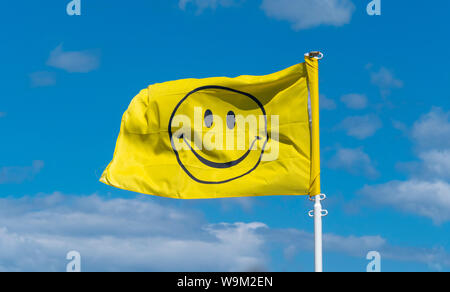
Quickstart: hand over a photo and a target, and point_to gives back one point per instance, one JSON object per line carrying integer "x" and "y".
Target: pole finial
{"x": 315, "y": 54}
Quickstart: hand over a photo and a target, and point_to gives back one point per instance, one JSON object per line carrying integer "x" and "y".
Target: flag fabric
{"x": 222, "y": 137}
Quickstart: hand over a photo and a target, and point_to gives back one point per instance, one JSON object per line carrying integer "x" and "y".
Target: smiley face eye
{"x": 209, "y": 119}
{"x": 231, "y": 120}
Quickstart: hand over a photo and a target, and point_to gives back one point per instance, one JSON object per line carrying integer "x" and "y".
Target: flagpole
{"x": 317, "y": 214}
{"x": 312, "y": 66}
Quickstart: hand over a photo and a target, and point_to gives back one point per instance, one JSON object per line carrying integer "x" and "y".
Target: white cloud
{"x": 427, "y": 191}
{"x": 42, "y": 78}
{"x": 121, "y": 234}
{"x": 426, "y": 198}
{"x": 358, "y": 246}
{"x": 433, "y": 164}
{"x": 355, "y": 101}
{"x": 304, "y": 14}
{"x": 73, "y": 62}
{"x": 141, "y": 235}
{"x": 432, "y": 131}
{"x": 385, "y": 80}
{"x": 353, "y": 245}
{"x": 19, "y": 174}
{"x": 327, "y": 103}
{"x": 245, "y": 203}
{"x": 400, "y": 126}
{"x": 436, "y": 163}
{"x": 354, "y": 161}
{"x": 361, "y": 127}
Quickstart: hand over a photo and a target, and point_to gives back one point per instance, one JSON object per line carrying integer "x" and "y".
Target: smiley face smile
{"x": 224, "y": 164}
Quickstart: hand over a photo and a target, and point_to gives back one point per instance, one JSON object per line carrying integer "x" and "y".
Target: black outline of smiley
{"x": 210, "y": 163}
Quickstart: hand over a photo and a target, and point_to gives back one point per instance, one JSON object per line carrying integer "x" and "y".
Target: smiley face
{"x": 213, "y": 116}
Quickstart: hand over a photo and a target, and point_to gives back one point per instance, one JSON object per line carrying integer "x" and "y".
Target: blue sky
{"x": 385, "y": 118}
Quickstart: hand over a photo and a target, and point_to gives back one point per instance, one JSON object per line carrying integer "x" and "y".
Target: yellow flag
{"x": 222, "y": 137}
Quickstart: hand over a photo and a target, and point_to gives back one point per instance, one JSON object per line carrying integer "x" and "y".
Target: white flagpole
{"x": 317, "y": 214}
